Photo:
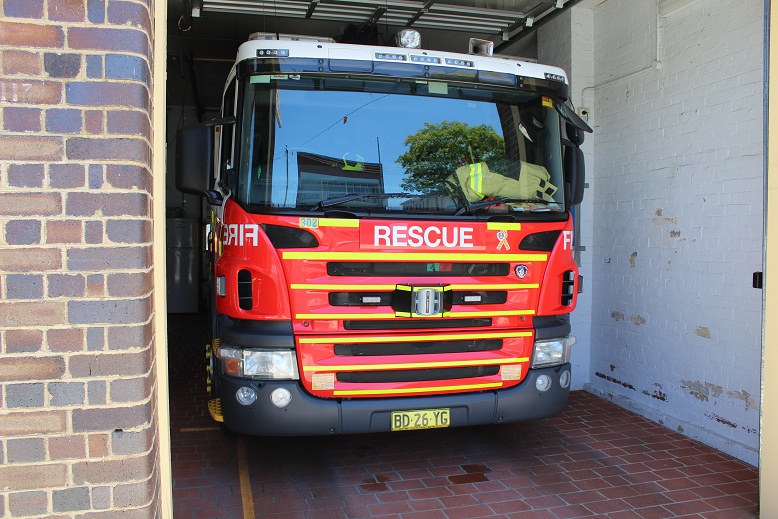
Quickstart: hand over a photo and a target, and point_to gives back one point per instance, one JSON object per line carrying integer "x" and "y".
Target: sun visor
{"x": 568, "y": 114}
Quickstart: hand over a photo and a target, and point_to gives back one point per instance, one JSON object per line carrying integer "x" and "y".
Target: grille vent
{"x": 568, "y": 287}
{"x": 245, "y": 298}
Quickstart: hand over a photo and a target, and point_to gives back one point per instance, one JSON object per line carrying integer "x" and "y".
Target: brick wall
{"x": 677, "y": 187}
{"x": 78, "y": 425}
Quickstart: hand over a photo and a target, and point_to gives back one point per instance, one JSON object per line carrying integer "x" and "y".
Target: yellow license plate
{"x": 420, "y": 419}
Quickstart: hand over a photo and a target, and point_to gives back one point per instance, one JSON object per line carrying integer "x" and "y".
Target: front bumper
{"x": 307, "y": 415}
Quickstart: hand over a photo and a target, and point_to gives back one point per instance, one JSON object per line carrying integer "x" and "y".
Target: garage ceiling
{"x": 492, "y": 17}
{"x": 203, "y": 35}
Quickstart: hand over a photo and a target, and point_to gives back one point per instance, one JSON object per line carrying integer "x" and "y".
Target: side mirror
{"x": 194, "y": 159}
{"x": 575, "y": 175}
{"x": 574, "y": 134}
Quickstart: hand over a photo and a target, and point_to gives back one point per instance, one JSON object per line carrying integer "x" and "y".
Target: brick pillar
{"x": 79, "y": 431}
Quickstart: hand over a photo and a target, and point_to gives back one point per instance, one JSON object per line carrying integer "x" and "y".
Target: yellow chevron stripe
{"x": 491, "y": 385}
{"x": 345, "y": 316}
{"x": 338, "y": 222}
{"x": 495, "y": 286}
{"x": 501, "y": 313}
{"x": 412, "y": 338}
{"x": 361, "y": 288}
{"x": 424, "y": 257}
{"x": 503, "y": 226}
{"x": 418, "y": 365}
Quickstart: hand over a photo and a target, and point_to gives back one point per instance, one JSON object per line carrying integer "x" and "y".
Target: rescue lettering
{"x": 415, "y": 236}
{"x": 240, "y": 234}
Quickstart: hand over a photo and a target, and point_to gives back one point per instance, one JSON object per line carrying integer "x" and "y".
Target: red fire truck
{"x": 390, "y": 237}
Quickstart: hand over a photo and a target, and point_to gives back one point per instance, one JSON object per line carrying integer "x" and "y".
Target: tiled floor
{"x": 594, "y": 460}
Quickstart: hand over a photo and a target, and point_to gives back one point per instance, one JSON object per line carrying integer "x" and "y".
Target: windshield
{"x": 392, "y": 145}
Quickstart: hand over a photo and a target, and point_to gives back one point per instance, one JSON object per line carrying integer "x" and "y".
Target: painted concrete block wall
{"x": 677, "y": 189}
{"x": 567, "y": 42}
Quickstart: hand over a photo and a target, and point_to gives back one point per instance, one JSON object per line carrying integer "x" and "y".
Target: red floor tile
{"x": 594, "y": 460}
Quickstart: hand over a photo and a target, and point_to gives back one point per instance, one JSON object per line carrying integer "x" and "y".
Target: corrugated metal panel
{"x": 472, "y": 15}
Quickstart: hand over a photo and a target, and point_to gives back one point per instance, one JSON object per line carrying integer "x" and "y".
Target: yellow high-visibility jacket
{"x": 477, "y": 182}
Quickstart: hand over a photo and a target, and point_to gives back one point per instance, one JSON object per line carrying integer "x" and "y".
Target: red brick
{"x": 34, "y": 422}
{"x": 31, "y": 313}
{"x": 31, "y": 368}
{"x": 30, "y": 260}
{"x": 67, "y": 10}
{"x": 67, "y": 447}
{"x": 23, "y": 341}
{"x": 22, "y": 119}
{"x": 95, "y": 286}
{"x": 63, "y": 340}
{"x": 19, "y": 148}
{"x": 17, "y": 62}
{"x": 29, "y": 35}
{"x": 64, "y": 231}
{"x": 29, "y": 92}
{"x": 28, "y": 204}
{"x": 32, "y": 477}
{"x": 98, "y": 445}
{"x": 94, "y": 122}
{"x": 130, "y": 285}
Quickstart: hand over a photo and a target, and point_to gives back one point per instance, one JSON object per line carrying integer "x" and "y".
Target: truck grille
{"x": 378, "y": 323}
{"x": 417, "y": 375}
{"x": 415, "y": 348}
{"x": 407, "y": 364}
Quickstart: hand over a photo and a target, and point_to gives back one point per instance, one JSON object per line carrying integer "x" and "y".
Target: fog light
{"x": 246, "y": 395}
{"x": 564, "y": 379}
{"x": 543, "y": 382}
{"x": 280, "y": 397}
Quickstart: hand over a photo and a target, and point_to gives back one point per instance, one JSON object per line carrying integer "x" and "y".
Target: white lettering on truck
{"x": 567, "y": 240}
{"x": 417, "y": 236}
{"x": 241, "y": 234}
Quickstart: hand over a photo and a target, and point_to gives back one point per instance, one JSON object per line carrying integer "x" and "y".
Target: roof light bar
{"x": 288, "y": 37}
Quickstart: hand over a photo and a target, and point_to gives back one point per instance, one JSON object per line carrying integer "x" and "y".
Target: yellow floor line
{"x": 245, "y": 481}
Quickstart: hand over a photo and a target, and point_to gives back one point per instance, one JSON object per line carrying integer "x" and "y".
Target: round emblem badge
{"x": 521, "y": 271}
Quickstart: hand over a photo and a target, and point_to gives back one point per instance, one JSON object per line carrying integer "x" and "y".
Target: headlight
{"x": 552, "y": 352}
{"x": 260, "y": 364}
{"x": 279, "y": 364}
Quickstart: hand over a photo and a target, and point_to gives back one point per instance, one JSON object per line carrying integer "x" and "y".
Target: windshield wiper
{"x": 496, "y": 201}
{"x": 354, "y": 196}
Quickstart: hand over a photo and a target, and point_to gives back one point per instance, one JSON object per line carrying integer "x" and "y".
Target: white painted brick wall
{"x": 568, "y": 42}
{"x": 676, "y": 229}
